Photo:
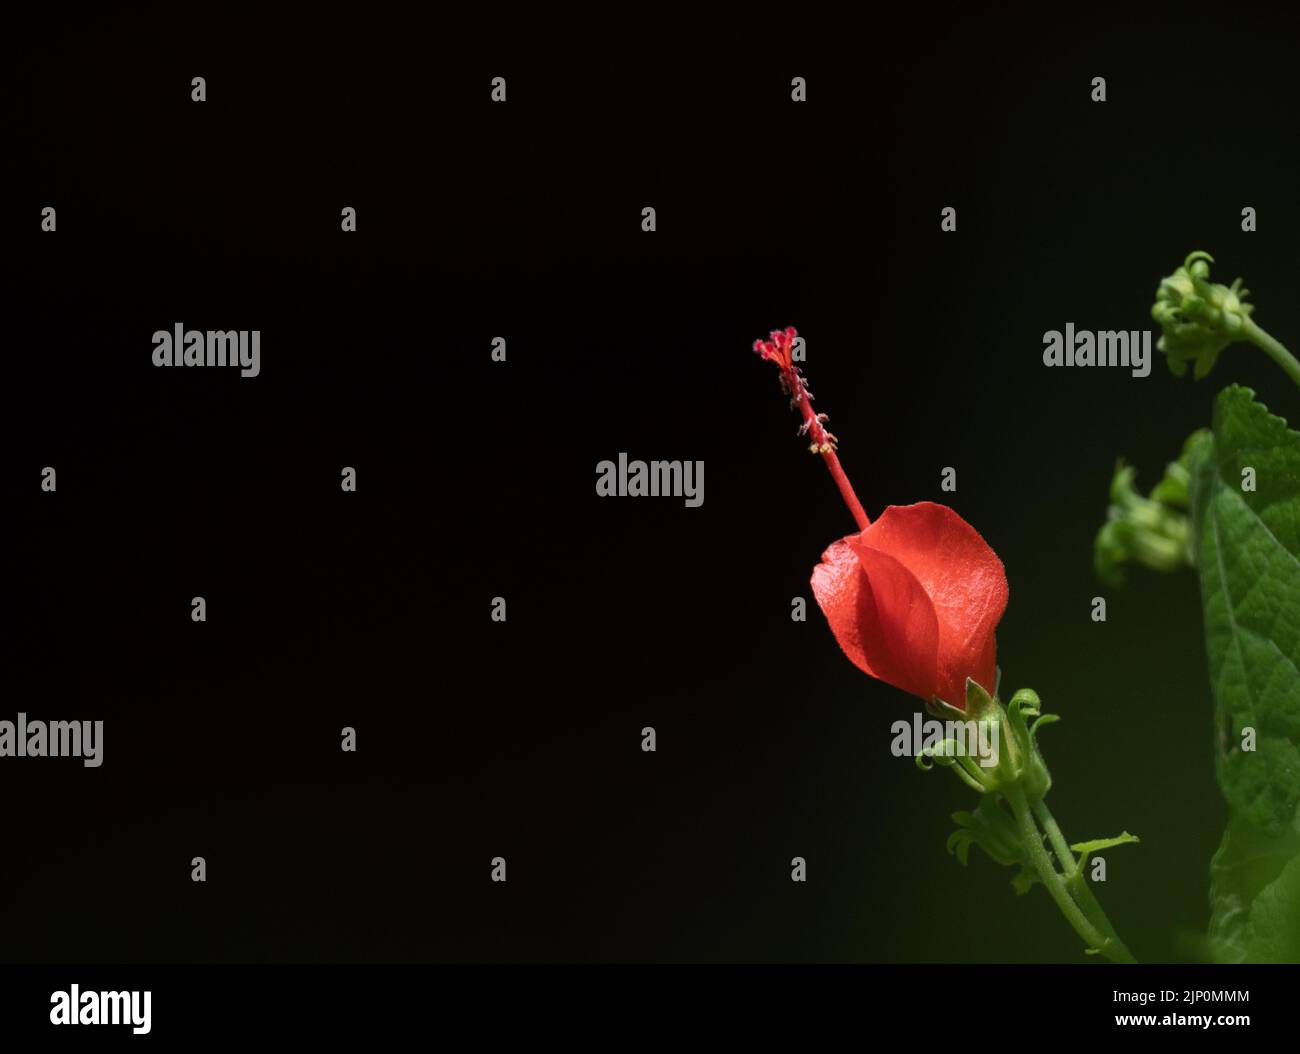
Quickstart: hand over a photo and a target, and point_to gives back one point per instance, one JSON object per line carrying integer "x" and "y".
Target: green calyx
{"x": 1199, "y": 317}
{"x": 991, "y": 747}
{"x": 1153, "y": 531}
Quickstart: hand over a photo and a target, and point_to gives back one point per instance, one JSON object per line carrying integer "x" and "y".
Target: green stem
{"x": 1273, "y": 349}
{"x": 1032, "y": 843}
{"x": 1064, "y": 853}
{"x": 1077, "y": 882}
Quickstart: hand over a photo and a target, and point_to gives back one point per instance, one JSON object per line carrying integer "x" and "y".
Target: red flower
{"x": 914, "y": 599}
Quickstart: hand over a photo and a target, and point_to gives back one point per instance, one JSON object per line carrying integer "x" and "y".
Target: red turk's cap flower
{"x": 914, "y": 598}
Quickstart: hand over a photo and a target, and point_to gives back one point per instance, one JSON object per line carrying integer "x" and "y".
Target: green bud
{"x": 1199, "y": 317}
{"x": 1153, "y": 531}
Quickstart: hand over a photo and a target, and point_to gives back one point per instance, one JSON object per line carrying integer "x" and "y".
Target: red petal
{"x": 963, "y": 578}
{"x": 855, "y": 587}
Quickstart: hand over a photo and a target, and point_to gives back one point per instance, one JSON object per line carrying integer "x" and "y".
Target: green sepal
{"x": 1031, "y": 769}
{"x": 978, "y": 702}
{"x": 949, "y": 754}
{"x": 1043, "y": 719}
{"x": 936, "y": 707}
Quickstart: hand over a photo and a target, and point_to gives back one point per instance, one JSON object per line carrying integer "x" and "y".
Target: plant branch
{"x": 1273, "y": 349}
{"x": 1077, "y": 883}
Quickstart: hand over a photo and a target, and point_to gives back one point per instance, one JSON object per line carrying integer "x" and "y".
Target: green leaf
{"x": 1086, "y": 849}
{"x": 1098, "y": 844}
{"x": 1275, "y": 919}
{"x": 1247, "y": 544}
{"x": 991, "y": 828}
{"x": 1255, "y": 896}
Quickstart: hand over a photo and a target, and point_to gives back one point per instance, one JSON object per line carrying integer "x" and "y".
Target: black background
{"x": 476, "y": 479}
